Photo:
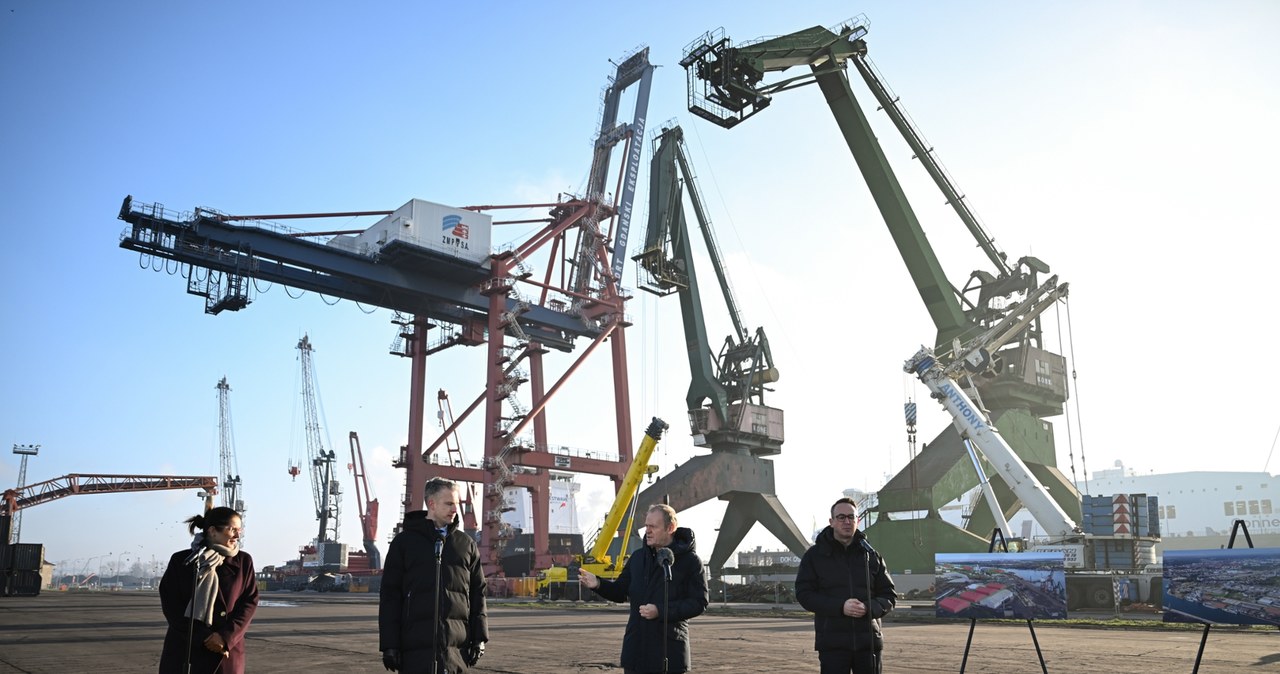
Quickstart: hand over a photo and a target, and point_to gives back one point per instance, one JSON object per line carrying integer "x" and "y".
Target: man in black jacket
{"x": 422, "y": 630}
{"x": 643, "y": 581}
{"x": 844, "y": 582}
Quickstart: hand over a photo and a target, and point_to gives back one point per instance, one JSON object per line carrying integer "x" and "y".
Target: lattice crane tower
{"x": 325, "y": 489}
{"x": 232, "y": 494}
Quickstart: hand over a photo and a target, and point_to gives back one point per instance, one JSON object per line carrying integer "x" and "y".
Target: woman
{"x": 208, "y": 594}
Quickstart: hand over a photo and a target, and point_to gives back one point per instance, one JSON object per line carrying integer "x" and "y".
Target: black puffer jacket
{"x": 829, "y": 575}
{"x": 408, "y": 594}
{"x": 641, "y": 582}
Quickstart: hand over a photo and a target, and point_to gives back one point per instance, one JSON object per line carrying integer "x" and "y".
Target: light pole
{"x": 24, "y": 451}
{"x": 100, "y": 568}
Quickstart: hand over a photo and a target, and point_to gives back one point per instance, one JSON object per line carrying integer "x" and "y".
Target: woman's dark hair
{"x": 217, "y": 517}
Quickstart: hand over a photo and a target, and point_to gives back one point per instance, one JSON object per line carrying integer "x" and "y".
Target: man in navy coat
{"x": 643, "y": 581}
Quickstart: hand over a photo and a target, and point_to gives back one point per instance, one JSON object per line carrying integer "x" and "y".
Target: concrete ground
{"x": 305, "y": 632}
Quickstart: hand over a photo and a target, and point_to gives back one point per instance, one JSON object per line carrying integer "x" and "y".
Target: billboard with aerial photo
{"x": 1240, "y": 586}
{"x": 1025, "y": 585}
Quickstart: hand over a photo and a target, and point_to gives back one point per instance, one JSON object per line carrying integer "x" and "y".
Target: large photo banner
{"x": 1026, "y": 585}
{"x": 1240, "y": 586}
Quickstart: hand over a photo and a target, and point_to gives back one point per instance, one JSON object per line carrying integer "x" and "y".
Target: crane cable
{"x": 1070, "y": 385}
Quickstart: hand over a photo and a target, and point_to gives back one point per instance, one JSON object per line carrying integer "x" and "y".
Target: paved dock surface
{"x": 306, "y": 632}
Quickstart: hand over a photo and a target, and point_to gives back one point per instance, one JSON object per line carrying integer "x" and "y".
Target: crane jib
{"x": 970, "y": 415}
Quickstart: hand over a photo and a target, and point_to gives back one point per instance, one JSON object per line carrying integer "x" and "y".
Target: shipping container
{"x": 21, "y": 583}
{"x": 26, "y": 557}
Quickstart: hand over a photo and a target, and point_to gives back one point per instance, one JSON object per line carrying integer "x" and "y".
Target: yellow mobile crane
{"x": 554, "y": 582}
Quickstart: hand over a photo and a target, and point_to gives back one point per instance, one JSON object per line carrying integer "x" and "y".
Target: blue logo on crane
{"x": 970, "y": 415}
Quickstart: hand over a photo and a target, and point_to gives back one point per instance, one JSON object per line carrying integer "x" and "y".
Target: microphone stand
{"x": 436, "y": 655}
{"x": 191, "y": 620}
{"x": 666, "y": 592}
{"x": 871, "y": 625}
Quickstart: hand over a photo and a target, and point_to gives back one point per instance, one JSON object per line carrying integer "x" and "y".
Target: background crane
{"x": 1021, "y": 385}
{"x": 325, "y": 490}
{"x": 727, "y": 411}
{"x": 232, "y": 496}
{"x": 367, "y": 505}
{"x": 25, "y": 496}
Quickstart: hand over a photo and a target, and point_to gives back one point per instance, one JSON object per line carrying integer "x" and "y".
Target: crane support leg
{"x": 745, "y": 509}
{"x": 747, "y": 482}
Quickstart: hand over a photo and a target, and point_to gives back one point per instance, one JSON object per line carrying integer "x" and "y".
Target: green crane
{"x": 1021, "y": 384}
{"x": 726, "y": 399}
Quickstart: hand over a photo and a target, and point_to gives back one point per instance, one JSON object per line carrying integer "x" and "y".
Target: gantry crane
{"x": 725, "y": 402}
{"x": 1026, "y": 384}
{"x": 326, "y": 491}
{"x": 366, "y": 504}
{"x": 475, "y": 299}
{"x": 232, "y": 496}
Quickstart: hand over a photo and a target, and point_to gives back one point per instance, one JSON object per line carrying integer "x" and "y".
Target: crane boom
{"x": 627, "y": 490}
{"x": 80, "y": 483}
{"x": 972, "y": 422}
{"x": 366, "y": 505}
{"x": 745, "y": 364}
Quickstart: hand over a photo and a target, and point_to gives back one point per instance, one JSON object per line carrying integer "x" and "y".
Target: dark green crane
{"x": 727, "y": 410}
{"x": 1023, "y": 383}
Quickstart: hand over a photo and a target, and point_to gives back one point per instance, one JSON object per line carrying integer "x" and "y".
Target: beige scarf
{"x": 204, "y": 596}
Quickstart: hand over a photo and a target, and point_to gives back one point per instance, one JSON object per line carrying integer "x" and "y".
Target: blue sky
{"x": 1129, "y": 145}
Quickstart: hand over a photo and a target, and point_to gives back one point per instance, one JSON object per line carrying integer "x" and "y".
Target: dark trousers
{"x": 840, "y": 661}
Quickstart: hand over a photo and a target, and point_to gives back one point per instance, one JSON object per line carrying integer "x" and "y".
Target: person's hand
{"x": 472, "y": 651}
{"x": 391, "y": 659}
{"x": 588, "y": 579}
{"x": 854, "y": 608}
{"x": 649, "y": 611}
{"x": 215, "y": 644}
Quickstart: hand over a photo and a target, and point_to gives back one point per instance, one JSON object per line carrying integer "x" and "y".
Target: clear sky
{"x": 1132, "y": 146}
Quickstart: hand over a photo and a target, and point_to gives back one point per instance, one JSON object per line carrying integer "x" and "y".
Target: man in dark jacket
{"x": 421, "y": 630}
{"x": 844, "y": 582}
{"x": 643, "y": 581}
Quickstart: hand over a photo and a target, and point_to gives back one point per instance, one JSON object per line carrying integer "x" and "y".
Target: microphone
{"x": 439, "y": 550}
{"x": 665, "y": 558}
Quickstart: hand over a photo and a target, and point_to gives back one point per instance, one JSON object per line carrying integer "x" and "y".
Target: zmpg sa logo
{"x": 455, "y": 232}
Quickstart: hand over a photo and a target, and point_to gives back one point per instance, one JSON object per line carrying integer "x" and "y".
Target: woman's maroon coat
{"x": 237, "y": 601}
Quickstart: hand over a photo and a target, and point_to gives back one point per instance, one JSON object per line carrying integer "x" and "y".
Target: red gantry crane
{"x": 559, "y": 286}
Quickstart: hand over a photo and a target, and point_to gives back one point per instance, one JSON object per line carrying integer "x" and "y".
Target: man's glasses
{"x": 845, "y": 518}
